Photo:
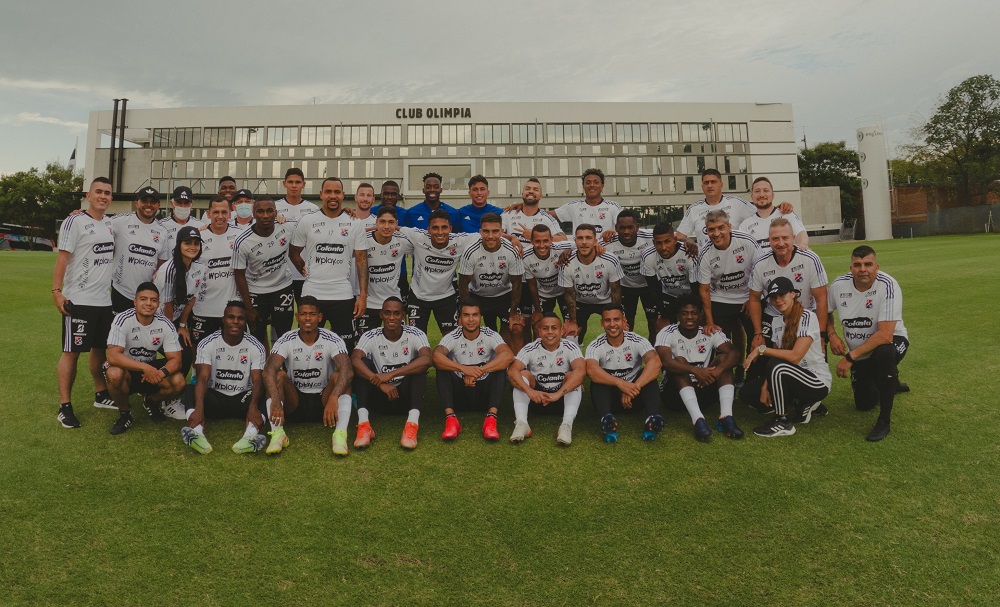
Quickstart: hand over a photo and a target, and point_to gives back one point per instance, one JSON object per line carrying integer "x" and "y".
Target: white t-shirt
{"x": 243, "y": 226}
{"x": 624, "y": 361}
{"x": 142, "y": 342}
{"x": 861, "y": 311}
{"x": 630, "y": 258}
{"x": 264, "y": 258}
{"x": 171, "y": 226}
{"x": 389, "y": 355}
{"x": 433, "y": 268}
{"x": 293, "y": 213}
{"x": 549, "y": 368}
{"x": 602, "y": 216}
{"x": 384, "y": 261}
{"x": 138, "y": 248}
{"x": 805, "y": 270}
{"x": 727, "y": 272}
{"x": 164, "y": 281}
{"x": 472, "y": 352}
{"x": 592, "y": 282}
{"x": 813, "y": 359}
{"x": 697, "y": 351}
{"x": 516, "y": 221}
{"x": 491, "y": 271}
{"x": 328, "y": 246}
{"x": 693, "y": 223}
{"x": 91, "y": 245}
{"x": 309, "y": 367}
{"x": 675, "y": 273}
{"x": 218, "y": 287}
{"x": 760, "y": 227}
{"x": 546, "y": 271}
{"x": 231, "y": 365}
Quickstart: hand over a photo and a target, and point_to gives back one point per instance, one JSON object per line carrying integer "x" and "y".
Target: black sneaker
{"x": 806, "y": 413}
{"x": 821, "y": 411}
{"x": 902, "y": 388}
{"x": 701, "y": 429}
{"x": 103, "y": 400}
{"x": 779, "y": 427}
{"x": 154, "y": 410}
{"x": 727, "y": 426}
{"x": 880, "y": 431}
{"x": 66, "y": 417}
{"x": 123, "y": 423}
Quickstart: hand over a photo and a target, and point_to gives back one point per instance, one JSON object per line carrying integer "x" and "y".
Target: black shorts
{"x": 445, "y": 312}
{"x": 493, "y": 309}
{"x": 310, "y": 408}
{"x": 201, "y": 327}
{"x": 371, "y": 319}
{"x": 135, "y": 383}
{"x": 340, "y": 315}
{"x": 583, "y": 313}
{"x": 226, "y": 406}
{"x": 120, "y": 303}
{"x": 273, "y": 309}
{"x": 86, "y": 328}
{"x": 732, "y": 320}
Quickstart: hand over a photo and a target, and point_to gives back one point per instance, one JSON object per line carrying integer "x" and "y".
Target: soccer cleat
{"x": 609, "y": 426}
{"x": 250, "y": 445}
{"x": 806, "y": 413}
{"x": 565, "y": 436}
{"x": 155, "y": 413}
{"x": 490, "y": 428}
{"x": 279, "y": 440}
{"x": 701, "y": 429}
{"x": 779, "y": 427}
{"x": 365, "y": 435}
{"x": 409, "y": 439}
{"x": 104, "y": 401}
{"x": 654, "y": 424}
{"x": 521, "y": 431}
{"x": 340, "y": 442}
{"x": 727, "y": 426}
{"x": 880, "y": 431}
{"x": 123, "y": 423}
{"x": 66, "y": 417}
{"x": 196, "y": 440}
{"x": 902, "y": 388}
{"x": 174, "y": 409}
{"x": 451, "y": 428}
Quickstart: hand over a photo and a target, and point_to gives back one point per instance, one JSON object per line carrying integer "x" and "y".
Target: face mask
{"x": 182, "y": 213}
{"x": 244, "y": 210}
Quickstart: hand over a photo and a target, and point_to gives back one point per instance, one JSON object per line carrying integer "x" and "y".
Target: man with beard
{"x": 520, "y": 223}
{"x": 757, "y": 225}
{"x": 140, "y": 248}
{"x": 591, "y": 281}
{"x": 491, "y": 271}
{"x": 669, "y": 272}
{"x": 627, "y": 245}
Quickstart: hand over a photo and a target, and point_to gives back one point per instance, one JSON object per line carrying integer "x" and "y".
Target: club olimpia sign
{"x": 432, "y": 113}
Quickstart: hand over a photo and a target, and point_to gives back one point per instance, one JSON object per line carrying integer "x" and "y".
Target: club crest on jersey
{"x": 739, "y": 259}
{"x": 599, "y": 274}
{"x": 602, "y": 215}
{"x": 344, "y": 231}
{"x": 798, "y": 277}
{"x": 156, "y": 238}
{"x": 243, "y": 359}
{"x": 282, "y": 241}
{"x": 78, "y": 340}
{"x": 869, "y": 303}
{"x": 481, "y": 351}
{"x": 628, "y": 357}
{"x": 395, "y": 252}
{"x": 406, "y": 350}
{"x": 701, "y": 349}
{"x": 559, "y": 361}
{"x": 317, "y": 356}
{"x": 502, "y": 265}
{"x": 453, "y": 250}
{"x": 157, "y": 340}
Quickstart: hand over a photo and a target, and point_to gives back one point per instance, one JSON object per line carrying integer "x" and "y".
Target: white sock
{"x": 362, "y": 415}
{"x": 726, "y": 400}
{"x": 571, "y": 403}
{"x": 274, "y": 426}
{"x": 344, "y": 406}
{"x": 413, "y": 417}
{"x": 521, "y": 403}
{"x": 188, "y": 413}
{"x": 199, "y": 428}
{"x": 251, "y": 431}
{"x": 690, "y": 399}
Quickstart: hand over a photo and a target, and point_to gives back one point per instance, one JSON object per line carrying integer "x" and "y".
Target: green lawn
{"x": 820, "y": 518}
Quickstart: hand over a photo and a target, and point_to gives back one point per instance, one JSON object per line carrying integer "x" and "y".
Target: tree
{"x": 38, "y": 199}
{"x": 833, "y": 163}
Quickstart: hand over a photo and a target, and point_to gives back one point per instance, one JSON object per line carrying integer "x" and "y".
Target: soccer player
{"x": 593, "y": 209}
{"x": 324, "y": 247}
{"x": 229, "y": 384}
{"x": 390, "y": 368}
{"x": 140, "y": 248}
{"x": 548, "y": 371}
{"x": 308, "y": 378}
{"x": 472, "y": 213}
{"x": 623, "y": 369}
{"x": 132, "y": 367}
{"x": 241, "y": 208}
{"x": 541, "y": 271}
{"x": 81, "y": 291}
{"x": 364, "y": 198}
{"x": 796, "y": 375}
{"x": 869, "y": 303}
{"x": 291, "y": 209}
{"x": 386, "y": 250}
{"x": 227, "y": 187}
{"x": 470, "y": 363}
{"x": 693, "y": 227}
{"x": 180, "y": 214}
{"x": 757, "y": 225}
{"x": 669, "y": 272}
{"x": 491, "y": 271}
{"x": 520, "y": 222}
{"x": 389, "y": 197}
{"x": 627, "y": 245}
{"x": 591, "y": 281}
{"x": 261, "y": 273}
{"x": 698, "y": 368}
{"x": 218, "y": 285}
{"x": 419, "y": 215}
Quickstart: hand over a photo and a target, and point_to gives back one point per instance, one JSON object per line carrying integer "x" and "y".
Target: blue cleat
{"x": 727, "y": 426}
{"x": 701, "y": 429}
{"x": 609, "y": 426}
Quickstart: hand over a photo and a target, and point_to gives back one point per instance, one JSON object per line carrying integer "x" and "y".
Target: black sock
{"x": 101, "y": 395}
{"x": 66, "y": 404}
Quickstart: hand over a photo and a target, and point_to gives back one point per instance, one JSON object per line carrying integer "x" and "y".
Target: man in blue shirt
{"x": 390, "y": 197}
{"x": 471, "y": 214}
{"x": 419, "y": 216}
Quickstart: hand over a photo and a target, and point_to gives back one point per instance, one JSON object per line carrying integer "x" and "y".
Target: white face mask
{"x": 244, "y": 210}
{"x": 182, "y": 213}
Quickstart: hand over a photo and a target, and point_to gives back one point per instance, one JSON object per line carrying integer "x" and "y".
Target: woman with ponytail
{"x": 178, "y": 280}
{"x": 796, "y": 376}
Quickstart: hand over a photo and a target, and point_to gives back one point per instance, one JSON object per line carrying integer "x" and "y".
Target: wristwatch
{"x": 760, "y": 349}
{"x": 182, "y": 325}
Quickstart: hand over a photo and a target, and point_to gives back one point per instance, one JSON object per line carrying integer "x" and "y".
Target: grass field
{"x": 819, "y": 518}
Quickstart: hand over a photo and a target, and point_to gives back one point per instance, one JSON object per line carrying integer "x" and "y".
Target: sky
{"x": 840, "y": 64}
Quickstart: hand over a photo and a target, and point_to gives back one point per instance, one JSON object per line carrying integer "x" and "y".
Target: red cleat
{"x": 490, "y": 428}
{"x": 451, "y": 428}
{"x": 365, "y": 435}
{"x": 409, "y": 440}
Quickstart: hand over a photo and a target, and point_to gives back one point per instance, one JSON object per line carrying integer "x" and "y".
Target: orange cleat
{"x": 409, "y": 440}
{"x": 451, "y": 428}
{"x": 490, "y": 428}
{"x": 365, "y": 435}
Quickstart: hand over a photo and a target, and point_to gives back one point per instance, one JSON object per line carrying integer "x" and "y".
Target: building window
{"x": 496, "y": 134}
{"x": 282, "y": 135}
{"x": 696, "y": 131}
{"x": 422, "y": 134}
{"x": 597, "y": 133}
{"x": 663, "y": 133}
{"x": 249, "y": 136}
{"x": 350, "y": 135}
{"x": 564, "y": 133}
{"x": 456, "y": 133}
{"x": 632, "y": 133}
{"x": 526, "y": 133}
{"x": 732, "y": 182}
{"x": 454, "y": 177}
{"x": 732, "y": 131}
{"x": 689, "y": 184}
{"x": 219, "y": 137}
{"x": 316, "y": 135}
{"x": 177, "y": 138}
{"x": 387, "y": 135}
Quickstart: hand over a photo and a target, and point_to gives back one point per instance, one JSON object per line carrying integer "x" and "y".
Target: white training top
{"x": 592, "y": 282}
{"x": 491, "y": 271}
{"x": 472, "y": 352}
{"x": 727, "y": 272}
{"x": 697, "y": 351}
{"x": 293, "y": 213}
{"x": 433, "y": 268}
{"x": 805, "y": 270}
{"x": 328, "y": 246}
{"x": 138, "y": 248}
{"x": 142, "y": 342}
{"x": 231, "y": 365}
{"x": 546, "y": 271}
{"x": 389, "y": 355}
{"x": 602, "y": 216}
{"x": 861, "y": 311}
{"x": 549, "y": 368}
{"x": 624, "y": 361}
{"x": 759, "y": 227}
{"x": 264, "y": 258}
{"x": 675, "y": 273}
{"x": 171, "y": 226}
{"x": 309, "y": 367}
{"x": 218, "y": 287}
{"x": 164, "y": 281}
{"x": 630, "y": 258}
{"x": 693, "y": 223}
{"x": 813, "y": 359}
{"x": 91, "y": 245}
{"x": 514, "y": 222}
{"x": 384, "y": 261}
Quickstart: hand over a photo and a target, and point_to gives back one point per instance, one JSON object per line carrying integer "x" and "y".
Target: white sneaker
{"x": 565, "y": 435}
{"x": 174, "y": 409}
{"x": 521, "y": 431}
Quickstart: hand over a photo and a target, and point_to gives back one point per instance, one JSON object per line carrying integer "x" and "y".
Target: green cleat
{"x": 340, "y": 442}
{"x": 196, "y": 440}
{"x": 279, "y": 440}
{"x": 250, "y": 445}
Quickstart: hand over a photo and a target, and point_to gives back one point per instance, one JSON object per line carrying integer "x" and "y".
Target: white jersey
{"x": 630, "y": 258}
{"x": 171, "y": 226}
{"x": 602, "y": 215}
{"x": 592, "y": 282}
{"x": 244, "y": 226}
{"x": 293, "y": 213}
{"x": 384, "y": 261}
{"x": 624, "y": 361}
{"x": 727, "y": 272}
{"x": 813, "y": 360}
{"x": 805, "y": 270}
{"x": 231, "y": 365}
{"x": 164, "y": 281}
{"x": 472, "y": 352}
{"x": 309, "y": 367}
{"x": 91, "y": 245}
{"x": 433, "y": 268}
{"x": 389, "y": 355}
{"x": 546, "y": 271}
{"x": 760, "y": 227}
{"x": 367, "y": 222}
{"x": 328, "y": 247}
{"x": 491, "y": 271}
{"x": 514, "y": 222}
{"x": 142, "y": 342}
{"x": 675, "y": 273}
{"x": 138, "y": 249}
{"x": 218, "y": 287}
{"x": 861, "y": 311}
{"x": 698, "y": 351}
{"x": 549, "y": 367}
{"x": 693, "y": 223}
{"x": 264, "y": 258}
